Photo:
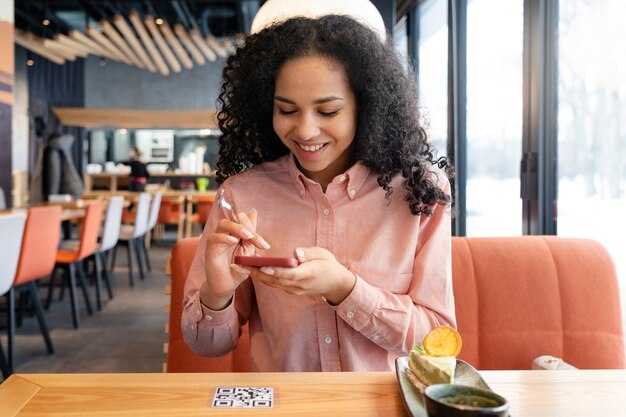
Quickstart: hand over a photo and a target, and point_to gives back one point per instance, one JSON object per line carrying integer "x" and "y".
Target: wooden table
{"x": 66, "y": 214}
{"x": 531, "y": 394}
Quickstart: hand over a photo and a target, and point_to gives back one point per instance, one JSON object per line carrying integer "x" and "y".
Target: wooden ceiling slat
{"x": 137, "y": 118}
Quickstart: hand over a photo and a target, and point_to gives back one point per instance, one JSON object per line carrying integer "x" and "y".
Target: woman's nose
{"x": 307, "y": 128}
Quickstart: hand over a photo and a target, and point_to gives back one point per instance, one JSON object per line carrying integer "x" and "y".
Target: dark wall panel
{"x": 123, "y": 86}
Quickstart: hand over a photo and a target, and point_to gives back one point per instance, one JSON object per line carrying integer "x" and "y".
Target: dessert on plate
{"x": 434, "y": 361}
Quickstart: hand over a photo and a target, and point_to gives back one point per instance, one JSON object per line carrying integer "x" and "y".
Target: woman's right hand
{"x": 228, "y": 240}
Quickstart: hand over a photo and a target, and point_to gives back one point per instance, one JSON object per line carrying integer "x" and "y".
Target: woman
{"x": 324, "y": 156}
{"x": 138, "y": 175}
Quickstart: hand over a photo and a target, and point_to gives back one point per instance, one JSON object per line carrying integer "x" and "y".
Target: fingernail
{"x": 300, "y": 253}
{"x": 240, "y": 269}
{"x": 268, "y": 271}
{"x": 232, "y": 239}
{"x": 247, "y": 233}
{"x": 263, "y": 243}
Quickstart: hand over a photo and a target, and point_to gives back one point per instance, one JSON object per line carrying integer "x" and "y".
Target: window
{"x": 592, "y": 125}
{"x": 433, "y": 71}
{"x": 494, "y": 117}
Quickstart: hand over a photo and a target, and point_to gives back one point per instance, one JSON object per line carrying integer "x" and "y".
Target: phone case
{"x": 266, "y": 261}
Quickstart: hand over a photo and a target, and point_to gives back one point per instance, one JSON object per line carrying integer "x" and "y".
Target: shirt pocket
{"x": 395, "y": 282}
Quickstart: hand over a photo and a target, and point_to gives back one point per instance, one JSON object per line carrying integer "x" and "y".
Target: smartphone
{"x": 285, "y": 262}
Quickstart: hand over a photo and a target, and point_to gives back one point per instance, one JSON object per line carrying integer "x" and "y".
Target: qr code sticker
{"x": 243, "y": 397}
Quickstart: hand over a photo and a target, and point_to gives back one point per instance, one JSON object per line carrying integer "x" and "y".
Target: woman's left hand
{"x": 319, "y": 273}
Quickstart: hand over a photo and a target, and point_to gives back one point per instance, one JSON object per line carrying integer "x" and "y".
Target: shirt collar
{"x": 354, "y": 178}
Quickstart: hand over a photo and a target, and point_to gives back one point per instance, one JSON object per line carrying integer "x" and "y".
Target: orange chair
{"x": 203, "y": 205}
{"x": 42, "y": 233}
{"x": 170, "y": 212}
{"x": 179, "y": 357}
{"x": 72, "y": 259}
{"x": 518, "y": 298}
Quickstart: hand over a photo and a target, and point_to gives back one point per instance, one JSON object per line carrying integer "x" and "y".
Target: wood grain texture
{"x": 530, "y": 393}
{"x": 301, "y": 394}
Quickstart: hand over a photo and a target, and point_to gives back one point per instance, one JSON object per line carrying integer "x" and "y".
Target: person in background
{"x": 325, "y": 159}
{"x": 138, "y": 175}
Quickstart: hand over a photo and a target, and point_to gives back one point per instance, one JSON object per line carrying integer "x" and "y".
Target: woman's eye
{"x": 329, "y": 113}
{"x": 286, "y": 112}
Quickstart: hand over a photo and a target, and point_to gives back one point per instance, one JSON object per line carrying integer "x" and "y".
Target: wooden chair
{"x": 42, "y": 233}
{"x": 11, "y": 230}
{"x": 179, "y": 357}
{"x": 71, "y": 260}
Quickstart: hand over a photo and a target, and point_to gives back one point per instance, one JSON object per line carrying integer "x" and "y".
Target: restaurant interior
{"x": 525, "y": 97}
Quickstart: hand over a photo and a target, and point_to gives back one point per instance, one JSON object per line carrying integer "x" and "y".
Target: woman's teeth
{"x": 311, "y": 148}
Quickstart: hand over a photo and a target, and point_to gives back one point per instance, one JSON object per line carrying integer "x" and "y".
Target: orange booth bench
{"x": 516, "y": 298}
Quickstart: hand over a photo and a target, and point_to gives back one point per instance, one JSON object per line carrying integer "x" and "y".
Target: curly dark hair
{"x": 389, "y": 137}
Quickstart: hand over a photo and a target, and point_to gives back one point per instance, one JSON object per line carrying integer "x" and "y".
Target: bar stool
{"x": 71, "y": 260}
{"x": 11, "y": 231}
{"x": 42, "y": 232}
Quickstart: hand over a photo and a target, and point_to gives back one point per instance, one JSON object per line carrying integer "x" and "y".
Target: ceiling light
{"x": 30, "y": 62}
{"x": 45, "y": 22}
{"x": 158, "y": 21}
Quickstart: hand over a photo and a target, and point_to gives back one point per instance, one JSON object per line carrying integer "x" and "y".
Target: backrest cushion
{"x": 11, "y": 231}
{"x": 89, "y": 230}
{"x": 42, "y": 233}
{"x": 179, "y": 357}
{"x": 521, "y": 297}
{"x": 112, "y": 223}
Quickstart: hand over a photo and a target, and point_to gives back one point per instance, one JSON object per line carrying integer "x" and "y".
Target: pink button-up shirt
{"x": 402, "y": 263}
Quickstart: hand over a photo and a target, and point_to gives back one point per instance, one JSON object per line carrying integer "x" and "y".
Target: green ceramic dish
{"x": 453, "y": 400}
{"x": 413, "y": 400}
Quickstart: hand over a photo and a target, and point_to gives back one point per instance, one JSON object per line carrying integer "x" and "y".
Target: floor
{"x": 127, "y": 335}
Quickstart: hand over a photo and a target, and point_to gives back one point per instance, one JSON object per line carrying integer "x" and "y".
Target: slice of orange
{"x": 442, "y": 341}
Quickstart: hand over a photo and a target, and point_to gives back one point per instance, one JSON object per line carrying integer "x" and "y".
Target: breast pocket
{"x": 394, "y": 282}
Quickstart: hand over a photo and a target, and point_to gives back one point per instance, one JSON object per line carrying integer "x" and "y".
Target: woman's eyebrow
{"x": 318, "y": 101}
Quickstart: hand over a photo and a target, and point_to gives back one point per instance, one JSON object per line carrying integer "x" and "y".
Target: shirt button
{"x": 350, "y": 314}
{"x": 207, "y": 317}
{"x": 375, "y": 337}
{"x": 325, "y": 212}
{"x": 193, "y": 327}
{"x": 328, "y": 340}
{"x": 342, "y": 178}
{"x": 352, "y": 192}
